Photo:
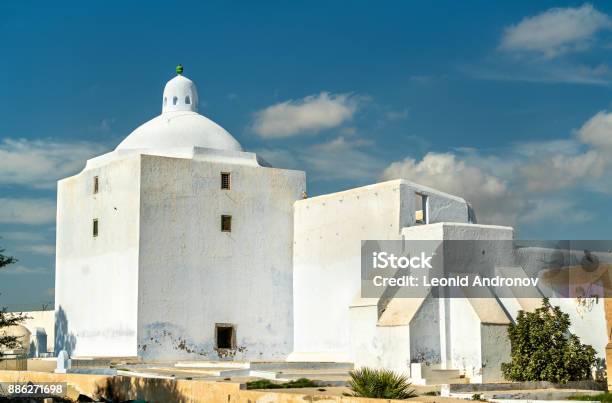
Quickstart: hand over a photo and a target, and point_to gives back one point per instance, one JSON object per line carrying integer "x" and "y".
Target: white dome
{"x": 180, "y": 129}
{"x": 180, "y": 125}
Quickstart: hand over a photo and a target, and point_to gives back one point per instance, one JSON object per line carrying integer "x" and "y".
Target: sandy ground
{"x": 339, "y": 391}
{"x": 421, "y": 390}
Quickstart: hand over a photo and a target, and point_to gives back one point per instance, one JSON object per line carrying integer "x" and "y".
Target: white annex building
{"x": 181, "y": 245}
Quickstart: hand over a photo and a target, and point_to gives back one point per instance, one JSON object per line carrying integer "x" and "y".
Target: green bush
{"x": 8, "y": 319}
{"x": 602, "y": 397}
{"x": 266, "y": 384}
{"x": 379, "y": 383}
{"x": 543, "y": 349}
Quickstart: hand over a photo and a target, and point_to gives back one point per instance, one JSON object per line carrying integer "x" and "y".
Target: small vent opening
{"x": 225, "y": 180}
{"x": 226, "y": 223}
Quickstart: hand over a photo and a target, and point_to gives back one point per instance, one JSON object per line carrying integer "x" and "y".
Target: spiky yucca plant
{"x": 379, "y": 383}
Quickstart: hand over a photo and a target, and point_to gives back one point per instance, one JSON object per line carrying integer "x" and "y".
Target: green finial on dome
{"x": 179, "y": 69}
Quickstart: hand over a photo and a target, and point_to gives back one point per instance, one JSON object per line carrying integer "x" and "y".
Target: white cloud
{"x": 22, "y": 236}
{"x": 446, "y": 172}
{"x": 307, "y": 115}
{"x": 526, "y": 182}
{"x": 555, "y": 172}
{"x": 38, "y": 249}
{"x": 397, "y": 115}
{"x": 559, "y": 210}
{"x": 536, "y": 47}
{"x": 104, "y": 126}
{"x": 555, "y": 31}
{"x": 21, "y": 269}
{"x": 497, "y": 197}
{"x": 40, "y": 163}
{"x": 341, "y": 158}
{"x": 597, "y": 131}
{"x": 542, "y": 71}
{"x": 27, "y": 211}
{"x": 584, "y": 161}
{"x": 280, "y": 158}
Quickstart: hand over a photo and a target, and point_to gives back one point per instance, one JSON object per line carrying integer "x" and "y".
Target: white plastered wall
{"x": 495, "y": 349}
{"x": 193, "y": 275}
{"x": 96, "y": 284}
{"x": 371, "y": 344}
{"x": 327, "y": 247}
{"x": 465, "y": 353}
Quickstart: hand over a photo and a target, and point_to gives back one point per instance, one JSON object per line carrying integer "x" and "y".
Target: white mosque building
{"x": 180, "y": 245}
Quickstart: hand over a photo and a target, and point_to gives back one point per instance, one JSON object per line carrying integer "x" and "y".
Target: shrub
{"x": 8, "y": 319}
{"x": 543, "y": 349}
{"x": 602, "y": 397}
{"x": 379, "y": 383}
{"x": 266, "y": 384}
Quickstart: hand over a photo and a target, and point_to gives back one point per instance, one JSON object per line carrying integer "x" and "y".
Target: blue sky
{"x": 506, "y": 104}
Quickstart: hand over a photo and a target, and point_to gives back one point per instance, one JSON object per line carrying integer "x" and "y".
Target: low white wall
{"x": 41, "y": 319}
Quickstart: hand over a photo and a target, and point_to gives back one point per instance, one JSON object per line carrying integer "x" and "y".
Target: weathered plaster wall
{"x": 441, "y": 207}
{"x": 327, "y": 246}
{"x": 465, "y": 342}
{"x": 425, "y": 333}
{"x": 193, "y": 275}
{"x": 588, "y": 324}
{"x": 452, "y": 330}
{"x": 476, "y": 345}
{"x": 586, "y": 319}
{"x": 96, "y": 281}
{"x": 372, "y": 344}
{"x": 495, "y": 348}
{"x": 41, "y": 319}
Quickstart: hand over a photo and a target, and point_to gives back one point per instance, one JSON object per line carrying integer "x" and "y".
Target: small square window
{"x": 95, "y": 227}
{"x": 420, "y": 213}
{"x": 96, "y": 181}
{"x": 226, "y": 223}
{"x": 225, "y": 336}
{"x": 225, "y": 180}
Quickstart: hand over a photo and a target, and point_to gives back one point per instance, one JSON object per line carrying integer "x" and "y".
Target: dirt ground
{"x": 339, "y": 391}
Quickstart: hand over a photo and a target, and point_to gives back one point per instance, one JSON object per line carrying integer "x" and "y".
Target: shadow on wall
{"x": 32, "y": 349}
{"x": 64, "y": 340}
{"x": 120, "y": 388}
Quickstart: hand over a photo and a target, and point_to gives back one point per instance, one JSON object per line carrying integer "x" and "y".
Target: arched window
{"x": 174, "y": 100}
{"x": 165, "y": 101}
{"x": 187, "y": 100}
